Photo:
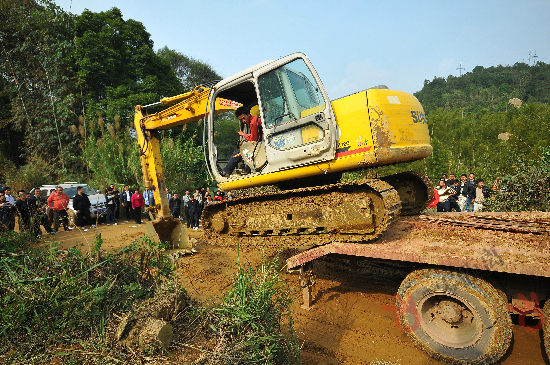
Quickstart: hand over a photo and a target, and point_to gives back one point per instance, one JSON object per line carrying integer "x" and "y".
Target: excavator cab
{"x": 297, "y": 122}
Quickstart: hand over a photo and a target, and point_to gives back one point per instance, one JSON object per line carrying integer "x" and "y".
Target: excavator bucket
{"x": 168, "y": 230}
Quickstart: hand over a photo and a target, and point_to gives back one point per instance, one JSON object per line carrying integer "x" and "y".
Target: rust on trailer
{"x": 413, "y": 239}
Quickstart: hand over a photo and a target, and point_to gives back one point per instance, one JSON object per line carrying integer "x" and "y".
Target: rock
{"x": 148, "y": 326}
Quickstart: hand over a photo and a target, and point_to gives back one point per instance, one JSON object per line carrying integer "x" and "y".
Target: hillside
{"x": 488, "y": 88}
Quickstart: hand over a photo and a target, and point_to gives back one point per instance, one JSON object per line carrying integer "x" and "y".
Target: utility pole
{"x": 460, "y": 68}
{"x": 529, "y": 58}
{"x": 534, "y": 58}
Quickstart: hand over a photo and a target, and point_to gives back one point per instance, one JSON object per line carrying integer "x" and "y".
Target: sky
{"x": 353, "y": 44}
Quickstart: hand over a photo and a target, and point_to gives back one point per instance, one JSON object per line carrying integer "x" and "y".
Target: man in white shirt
{"x": 126, "y": 200}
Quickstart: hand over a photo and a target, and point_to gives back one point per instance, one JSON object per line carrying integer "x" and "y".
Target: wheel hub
{"x": 450, "y": 312}
{"x": 449, "y": 320}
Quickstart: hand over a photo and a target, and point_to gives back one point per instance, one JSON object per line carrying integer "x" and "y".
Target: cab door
{"x": 299, "y": 127}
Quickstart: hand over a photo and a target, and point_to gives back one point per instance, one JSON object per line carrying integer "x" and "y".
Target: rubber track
{"x": 306, "y": 237}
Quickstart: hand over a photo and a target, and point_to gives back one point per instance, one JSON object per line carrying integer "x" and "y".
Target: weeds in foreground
{"x": 254, "y": 323}
{"x": 52, "y": 297}
{"x": 59, "y": 306}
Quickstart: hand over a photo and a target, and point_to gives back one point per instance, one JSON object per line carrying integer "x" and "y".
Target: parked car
{"x": 96, "y": 198}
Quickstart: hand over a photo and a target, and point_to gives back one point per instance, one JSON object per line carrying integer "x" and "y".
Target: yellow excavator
{"x": 306, "y": 143}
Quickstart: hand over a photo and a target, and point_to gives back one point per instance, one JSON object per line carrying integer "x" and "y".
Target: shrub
{"x": 528, "y": 189}
{"x": 254, "y": 322}
{"x": 63, "y": 297}
{"x": 35, "y": 173}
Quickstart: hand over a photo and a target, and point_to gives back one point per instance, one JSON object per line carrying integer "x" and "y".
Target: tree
{"x": 189, "y": 71}
{"x": 116, "y": 66}
{"x": 35, "y": 41}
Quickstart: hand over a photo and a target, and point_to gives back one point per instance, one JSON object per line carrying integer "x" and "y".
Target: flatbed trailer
{"x": 471, "y": 272}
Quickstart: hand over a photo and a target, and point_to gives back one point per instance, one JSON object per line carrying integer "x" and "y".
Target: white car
{"x": 96, "y": 198}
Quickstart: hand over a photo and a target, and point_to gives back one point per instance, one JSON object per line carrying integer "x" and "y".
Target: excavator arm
{"x": 181, "y": 109}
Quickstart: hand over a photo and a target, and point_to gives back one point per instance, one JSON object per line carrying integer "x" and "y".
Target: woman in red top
{"x": 137, "y": 203}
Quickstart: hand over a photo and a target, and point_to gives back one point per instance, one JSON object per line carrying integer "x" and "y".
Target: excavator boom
{"x": 186, "y": 108}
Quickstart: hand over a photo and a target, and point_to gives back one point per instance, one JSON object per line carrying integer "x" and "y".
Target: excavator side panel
{"x": 355, "y": 135}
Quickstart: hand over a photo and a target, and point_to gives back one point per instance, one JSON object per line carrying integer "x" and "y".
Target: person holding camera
{"x": 110, "y": 201}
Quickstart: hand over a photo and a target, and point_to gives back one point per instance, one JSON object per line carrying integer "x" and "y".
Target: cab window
{"x": 288, "y": 93}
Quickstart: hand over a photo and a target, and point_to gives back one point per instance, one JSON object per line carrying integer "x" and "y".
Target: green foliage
{"x": 112, "y": 156}
{"x": 189, "y": 71}
{"x": 226, "y": 129}
{"x": 64, "y": 297}
{"x": 526, "y": 189}
{"x": 491, "y": 144}
{"x": 63, "y": 66}
{"x": 487, "y": 88}
{"x": 37, "y": 39}
{"x": 250, "y": 320}
{"x": 13, "y": 242}
{"x": 183, "y": 165}
{"x": 36, "y": 173}
{"x": 116, "y": 66}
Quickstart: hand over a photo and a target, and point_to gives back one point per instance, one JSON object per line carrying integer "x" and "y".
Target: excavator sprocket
{"x": 355, "y": 212}
{"x": 415, "y": 190}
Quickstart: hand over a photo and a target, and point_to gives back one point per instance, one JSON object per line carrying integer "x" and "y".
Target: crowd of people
{"x": 461, "y": 195}
{"x": 193, "y": 204}
{"x": 31, "y": 211}
{"x": 35, "y": 210}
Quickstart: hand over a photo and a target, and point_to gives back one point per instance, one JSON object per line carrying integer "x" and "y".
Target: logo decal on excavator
{"x": 229, "y": 103}
{"x": 170, "y": 117}
{"x": 360, "y": 142}
{"x": 418, "y": 117}
{"x": 279, "y": 142}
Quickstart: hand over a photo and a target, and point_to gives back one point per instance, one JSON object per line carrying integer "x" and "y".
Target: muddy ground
{"x": 351, "y": 321}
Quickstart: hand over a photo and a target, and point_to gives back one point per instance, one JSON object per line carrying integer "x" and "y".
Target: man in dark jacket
{"x": 7, "y": 210}
{"x": 22, "y": 206}
{"x": 471, "y": 191}
{"x": 194, "y": 210}
{"x": 453, "y": 198}
{"x": 126, "y": 200}
{"x": 38, "y": 203}
{"x": 81, "y": 205}
{"x": 117, "y": 200}
{"x": 462, "y": 189}
{"x": 175, "y": 205}
{"x": 110, "y": 203}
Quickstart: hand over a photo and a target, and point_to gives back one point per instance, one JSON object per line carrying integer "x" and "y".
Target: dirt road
{"x": 352, "y": 320}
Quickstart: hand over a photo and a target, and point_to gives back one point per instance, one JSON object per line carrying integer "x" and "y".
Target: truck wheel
{"x": 72, "y": 218}
{"x": 546, "y": 327}
{"x": 455, "y": 318}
